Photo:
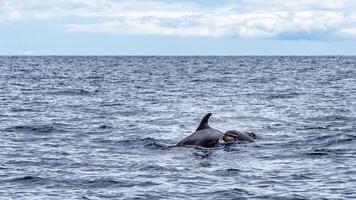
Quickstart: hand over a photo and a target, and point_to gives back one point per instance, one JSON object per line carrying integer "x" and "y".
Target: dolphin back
{"x": 204, "y": 136}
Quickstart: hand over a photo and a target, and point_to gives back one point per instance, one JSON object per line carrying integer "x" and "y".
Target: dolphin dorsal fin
{"x": 204, "y": 122}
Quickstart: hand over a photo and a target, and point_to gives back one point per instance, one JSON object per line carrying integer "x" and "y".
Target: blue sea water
{"x": 99, "y": 127}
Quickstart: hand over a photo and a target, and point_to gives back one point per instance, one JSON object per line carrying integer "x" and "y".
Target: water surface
{"x": 99, "y": 127}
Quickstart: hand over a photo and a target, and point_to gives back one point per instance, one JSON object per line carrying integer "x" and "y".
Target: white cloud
{"x": 242, "y": 18}
{"x": 348, "y": 32}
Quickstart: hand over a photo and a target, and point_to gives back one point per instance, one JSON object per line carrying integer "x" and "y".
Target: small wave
{"x": 331, "y": 144}
{"x": 33, "y": 128}
{"x": 283, "y": 95}
{"x": 158, "y": 144}
{"x": 313, "y": 127}
{"x": 300, "y": 177}
{"x": 154, "y": 168}
{"x": 202, "y": 154}
{"x": 228, "y": 172}
{"x": 104, "y": 126}
{"x": 147, "y": 142}
{"x": 139, "y": 142}
{"x": 330, "y": 140}
{"x": 72, "y": 92}
{"x": 331, "y": 118}
{"x": 104, "y": 183}
{"x": 23, "y": 110}
{"x": 27, "y": 179}
{"x": 343, "y": 150}
{"x": 321, "y": 138}
{"x": 230, "y": 193}
{"x": 338, "y": 141}
{"x": 230, "y": 147}
{"x": 112, "y": 104}
{"x": 318, "y": 152}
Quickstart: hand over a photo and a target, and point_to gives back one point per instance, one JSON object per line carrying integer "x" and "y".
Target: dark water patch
{"x": 318, "y": 152}
{"x": 326, "y": 138}
{"x": 230, "y": 172}
{"x": 150, "y": 143}
{"x": 151, "y": 167}
{"x": 25, "y": 110}
{"x": 21, "y": 163}
{"x": 322, "y": 138}
{"x": 310, "y": 127}
{"x": 336, "y": 141}
{"x": 230, "y": 147}
{"x": 332, "y": 140}
{"x": 112, "y": 104}
{"x": 230, "y": 193}
{"x": 331, "y": 145}
{"x": 332, "y": 151}
{"x": 28, "y": 180}
{"x": 112, "y": 183}
{"x": 284, "y": 197}
{"x": 104, "y": 126}
{"x": 301, "y": 177}
{"x": 202, "y": 153}
{"x": 331, "y": 118}
{"x": 236, "y": 144}
{"x": 45, "y": 128}
{"x": 72, "y": 92}
{"x": 284, "y": 95}
{"x": 147, "y": 196}
{"x": 159, "y": 144}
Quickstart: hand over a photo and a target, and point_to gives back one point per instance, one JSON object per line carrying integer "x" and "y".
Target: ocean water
{"x": 99, "y": 127}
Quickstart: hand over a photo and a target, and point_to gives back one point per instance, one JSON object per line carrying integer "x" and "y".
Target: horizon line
{"x": 175, "y": 55}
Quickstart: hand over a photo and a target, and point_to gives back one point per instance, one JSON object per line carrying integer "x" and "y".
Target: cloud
{"x": 302, "y": 19}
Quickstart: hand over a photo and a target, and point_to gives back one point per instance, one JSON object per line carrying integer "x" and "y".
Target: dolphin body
{"x": 204, "y": 136}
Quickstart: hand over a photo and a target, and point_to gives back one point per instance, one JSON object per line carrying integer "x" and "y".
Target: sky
{"x": 181, "y": 27}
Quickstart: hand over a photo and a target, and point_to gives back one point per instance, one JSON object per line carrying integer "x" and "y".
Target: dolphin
{"x": 204, "y": 135}
{"x": 234, "y": 135}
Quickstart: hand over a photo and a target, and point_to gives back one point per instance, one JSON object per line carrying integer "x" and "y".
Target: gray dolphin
{"x": 204, "y": 136}
{"x": 234, "y": 135}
